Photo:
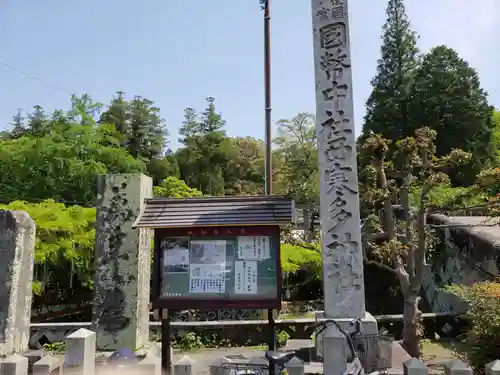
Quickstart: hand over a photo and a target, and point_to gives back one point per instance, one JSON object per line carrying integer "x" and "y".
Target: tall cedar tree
{"x": 448, "y": 98}
{"x": 387, "y": 106}
{"x": 18, "y": 127}
{"x": 202, "y": 159}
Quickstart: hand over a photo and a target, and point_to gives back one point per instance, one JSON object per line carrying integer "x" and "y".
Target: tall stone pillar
{"x": 17, "y": 253}
{"x": 343, "y": 281}
{"x": 122, "y": 263}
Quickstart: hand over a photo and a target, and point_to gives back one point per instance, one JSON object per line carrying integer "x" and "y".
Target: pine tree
{"x": 18, "y": 128}
{"x": 138, "y": 122}
{"x": 387, "y": 106}
{"x": 447, "y": 97}
{"x": 118, "y": 115}
{"x": 201, "y": 161}
{"x": 37, "y": 122}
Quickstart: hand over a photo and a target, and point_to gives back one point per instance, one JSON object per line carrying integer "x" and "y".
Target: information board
{"x": 219, "y": 267}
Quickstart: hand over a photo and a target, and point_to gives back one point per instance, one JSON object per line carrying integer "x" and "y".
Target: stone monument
{"x": 339, "y": 201}
{"x": 122, "y": 263}
{"x": 17, "y": 254}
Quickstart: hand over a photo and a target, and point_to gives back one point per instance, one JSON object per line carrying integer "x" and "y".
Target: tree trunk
{"x": 411, "y": 324}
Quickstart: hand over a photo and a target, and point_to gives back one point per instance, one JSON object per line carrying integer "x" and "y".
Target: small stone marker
{"x": 48, "y": 365}
{"x": 184, "y": 366}
{"x": 14, "y": 365}
{"x": 492, "y": 368}
{"x": 216, "y": 367}
{"x": 80, "y": 352}
{"x": 151, "y": 365}
{"x": 414, "y": 366}
{"x": 335, "y": 351}
{"x": 457, "y": 367}
{"x": 295, "y": 366}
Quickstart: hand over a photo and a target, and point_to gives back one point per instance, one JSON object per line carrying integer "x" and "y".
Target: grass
{"x": 442, "y": 350}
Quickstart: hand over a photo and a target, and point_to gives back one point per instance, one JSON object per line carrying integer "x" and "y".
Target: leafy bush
{"x": 172, "y": 187}
{"x": 445, "y": 196}
{"x": 190, "y": 341}
{"x": 65, "y": 235}
{"x": 489, "y": 181}
{"x": 483, "y": 339}
{"x": 58, "y": 347}
{"x": 296, "y": 257}
{"x": 281, "y": 338}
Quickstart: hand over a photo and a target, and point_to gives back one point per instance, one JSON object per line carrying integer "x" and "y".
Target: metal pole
{"x": 268, "y": 154}
{"x": 267, "y": 83}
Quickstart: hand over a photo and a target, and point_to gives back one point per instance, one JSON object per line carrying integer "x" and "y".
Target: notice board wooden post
{"x": 215, "y": 253}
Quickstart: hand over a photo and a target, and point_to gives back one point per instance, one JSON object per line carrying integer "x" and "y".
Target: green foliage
{"x": 297, "y": 159}
{"x": 202, "y": 160}
{"x": 62, "y": 166}
{"x": 448, "y": 97}
{"x": 483, "y": 339}
{"x": 448, "y": 197}
{"x": 387, "y": 107}
{"x": 58, "y": 347}
{"x": 190, "y": 341}
{"x": 281, "y": 338}
{"x": 297, "y": 257}
{"x": 65, "y": 235}
{"x": 172, "y": 187}
{"x": 140, "y": 129}
{"x": 244, "y": 170}
{"x": 489, "y": 181}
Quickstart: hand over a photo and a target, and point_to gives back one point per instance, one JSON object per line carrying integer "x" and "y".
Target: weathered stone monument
{"x": 122, "y": 263}
{"x": 17, "y": 252}
{"x": 339, "y": 201}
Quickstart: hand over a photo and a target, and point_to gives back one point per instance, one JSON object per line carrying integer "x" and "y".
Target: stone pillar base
{"x": 369, "y": 327}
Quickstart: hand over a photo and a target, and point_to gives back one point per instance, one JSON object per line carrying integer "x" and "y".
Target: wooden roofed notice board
{"x": 217, "y": 252}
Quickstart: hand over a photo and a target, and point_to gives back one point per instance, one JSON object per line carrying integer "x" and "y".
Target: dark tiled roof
{"x": 187, "y": 212}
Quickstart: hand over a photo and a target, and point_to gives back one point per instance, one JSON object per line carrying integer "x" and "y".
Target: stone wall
{"x": 468, "y": 253}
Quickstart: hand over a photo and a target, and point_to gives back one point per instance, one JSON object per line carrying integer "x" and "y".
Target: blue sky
{"x": 177, "y": 52}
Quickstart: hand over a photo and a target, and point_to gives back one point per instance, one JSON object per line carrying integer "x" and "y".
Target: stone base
{"x": 369, "y": 327}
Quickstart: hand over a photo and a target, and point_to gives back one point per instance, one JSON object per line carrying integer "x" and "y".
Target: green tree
{"x": 244, "y": 170}
{"x": 118, "y": 114}
{"x": 84, "y": 110}
{"x": 447, "y": 97}
{"x": 387, "y": 111}
{"x": 402, "y": 247}
{"x": 202, "y": 158}
{"x": 172, "y": 187}
{"x": 140, "y": 128}
{"x": 18, "y": 127}
{"x": 62, "y": 166}
{"x": 37, "y": 122}
{"x": 161, "y": 168}
{"x": 297, "y": 159}
{"x": 65, "y": 237}
{"x": 147, "y": 132}
{"x": 495, "y": 118}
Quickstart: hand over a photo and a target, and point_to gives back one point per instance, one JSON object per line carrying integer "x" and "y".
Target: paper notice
{"x": 175, "y": 255}
{"x": 207, "y": 271}
{"x": 197, "y": 285}
{"x": 207, "y": 267}
{"x": 245, "y": 277}
{"x": 254, "y": 247}
{"x": 208, "y": 251}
